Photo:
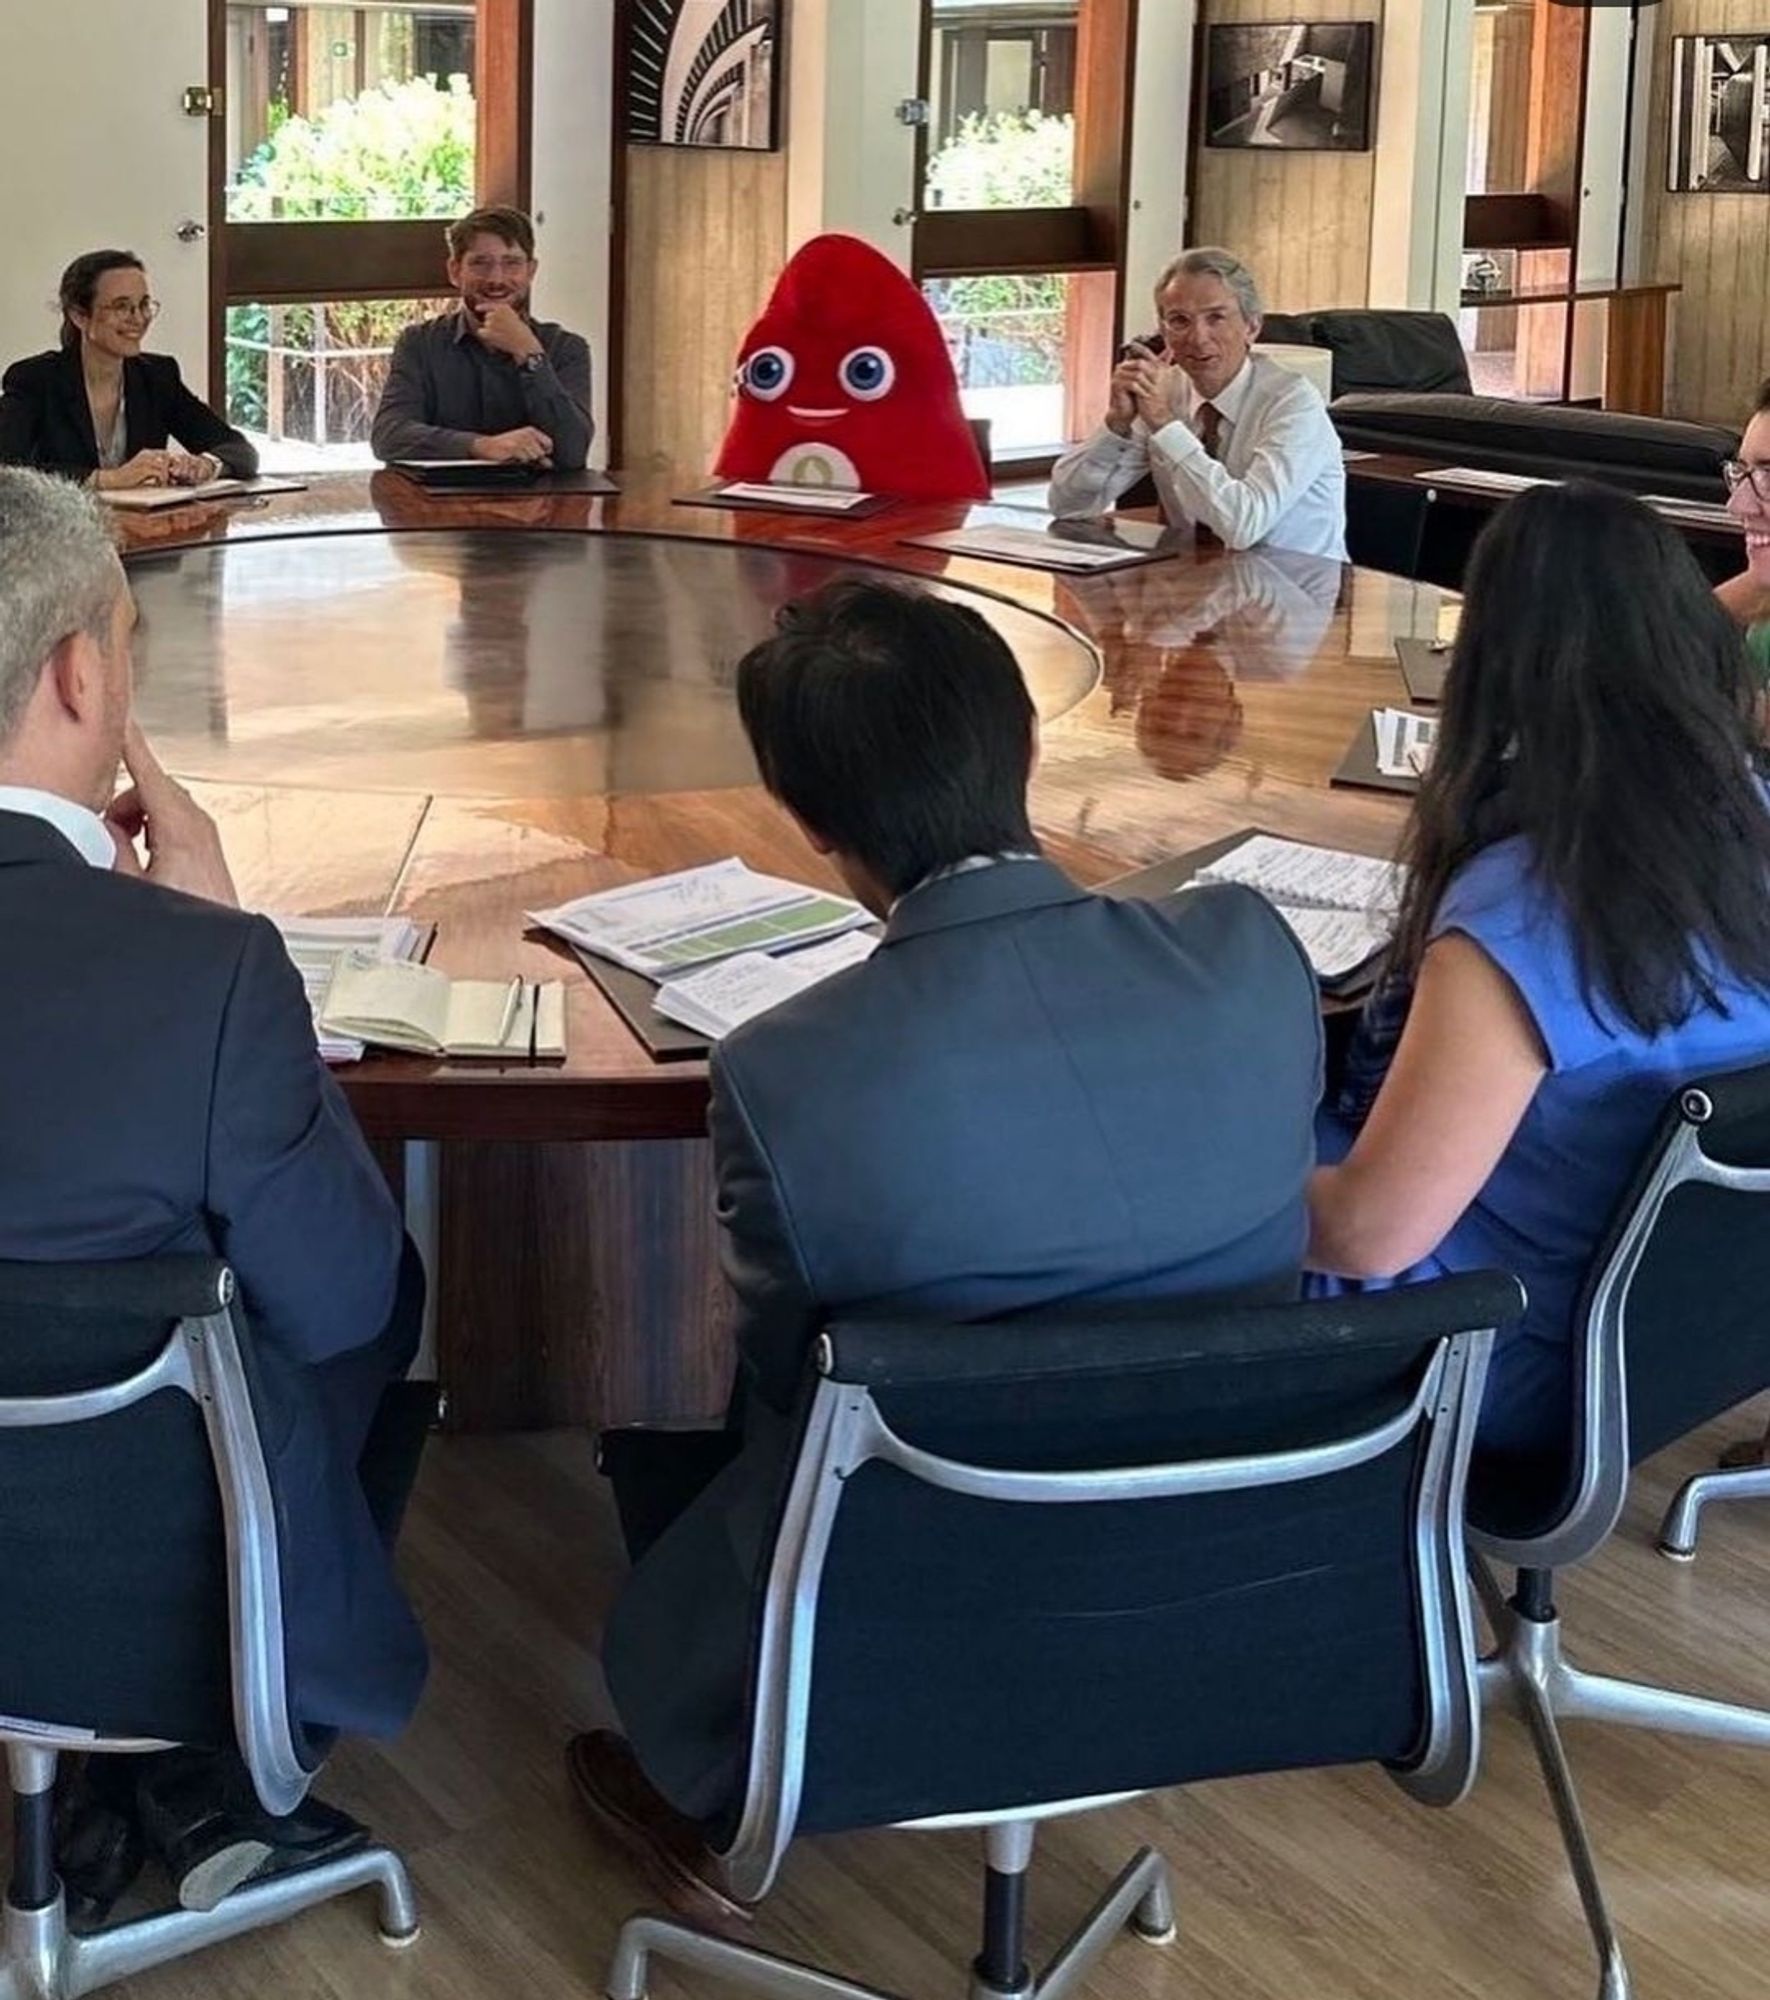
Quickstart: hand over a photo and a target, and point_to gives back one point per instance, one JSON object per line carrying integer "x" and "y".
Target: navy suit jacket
{"x": 1028, "y": 1097}
{"x": 162, "y": 1095}
{"x": 46, "y": 421}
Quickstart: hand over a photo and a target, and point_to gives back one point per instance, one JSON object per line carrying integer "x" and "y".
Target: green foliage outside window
{"x": 400, "y": 151}
{"x": 1009, "y": 330}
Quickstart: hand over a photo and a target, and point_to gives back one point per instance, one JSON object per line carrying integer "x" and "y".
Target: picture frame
{"x": 1290, "y": 86}
{"x": 703, "y": 74}
{"x": 1718, "y": 132}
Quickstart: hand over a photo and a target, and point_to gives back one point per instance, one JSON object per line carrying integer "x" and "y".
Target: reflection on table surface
{"x": 464, "y": 708}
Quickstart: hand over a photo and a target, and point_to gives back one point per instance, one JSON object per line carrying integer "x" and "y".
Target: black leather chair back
{"x": 973, "y": 1653}
{"x": 1673, "y": 1323}
{"x": 1413, "y": 353}
{"x": 111, "y": 1533}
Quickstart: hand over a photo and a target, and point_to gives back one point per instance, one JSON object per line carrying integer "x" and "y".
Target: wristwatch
{"x": 530, "y": 362}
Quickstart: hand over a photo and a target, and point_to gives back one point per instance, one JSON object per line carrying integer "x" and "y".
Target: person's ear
{"x": 1254, "y": 326}
{"x": 453, "y": 267}
{"x": 75, "y": 671}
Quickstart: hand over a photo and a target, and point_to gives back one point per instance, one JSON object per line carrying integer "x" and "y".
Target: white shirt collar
{"x": 78, "y": 825}
{"x": 1228, "y": 400}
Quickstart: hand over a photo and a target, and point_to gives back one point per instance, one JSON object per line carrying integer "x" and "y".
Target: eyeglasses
{"x": 1735, "y": 471}
{"x": 142, "y": 309}
{"x": 493, "y": 267}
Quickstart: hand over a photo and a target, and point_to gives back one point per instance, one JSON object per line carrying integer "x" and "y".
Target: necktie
{"x": 1210, "y": 435}
{"x": 1210, "y": 429}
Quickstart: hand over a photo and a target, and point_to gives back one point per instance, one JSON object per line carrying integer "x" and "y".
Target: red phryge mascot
{"x": 845, "y": 381}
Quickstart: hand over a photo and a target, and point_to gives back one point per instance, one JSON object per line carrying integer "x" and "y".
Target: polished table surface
{"x": 464, "y": 707}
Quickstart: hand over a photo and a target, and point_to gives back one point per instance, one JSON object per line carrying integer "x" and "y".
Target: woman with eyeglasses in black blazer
{"x": 100, "y": 410}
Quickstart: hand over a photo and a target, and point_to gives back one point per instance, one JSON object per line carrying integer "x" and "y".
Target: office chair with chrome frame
{"x": 1671, "y": 1331}
{"x": 1035, "y": 1568}
{"x": 140, "y": 1400}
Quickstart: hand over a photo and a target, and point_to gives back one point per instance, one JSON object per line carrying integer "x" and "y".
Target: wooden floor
{"x": 1331, "y": 1886}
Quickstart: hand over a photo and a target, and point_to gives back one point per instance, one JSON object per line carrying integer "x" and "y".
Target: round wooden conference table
{"x": 462, "y": 708}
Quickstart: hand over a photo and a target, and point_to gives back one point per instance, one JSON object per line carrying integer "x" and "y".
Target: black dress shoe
{"x": 204, "y": 1822}
{"x": 99, "y": 1850}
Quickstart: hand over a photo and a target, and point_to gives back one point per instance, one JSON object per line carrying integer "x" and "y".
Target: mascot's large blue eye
{"x": 867, "y": 373}
{"x": 767, "y": 373}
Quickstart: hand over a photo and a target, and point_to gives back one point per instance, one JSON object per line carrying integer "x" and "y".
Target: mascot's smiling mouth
{"x": 806, "y": 416}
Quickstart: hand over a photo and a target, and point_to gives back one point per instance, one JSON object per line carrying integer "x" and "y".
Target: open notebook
{"x": 1341, "y": 906}
{"x": 149, "y": 499}
{"x": 416, "y": 1008}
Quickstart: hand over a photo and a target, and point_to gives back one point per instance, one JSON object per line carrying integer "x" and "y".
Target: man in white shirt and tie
{"x": 1234, "y": 442}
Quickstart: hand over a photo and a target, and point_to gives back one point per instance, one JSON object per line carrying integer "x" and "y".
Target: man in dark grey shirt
{"x": 487, "y": 381}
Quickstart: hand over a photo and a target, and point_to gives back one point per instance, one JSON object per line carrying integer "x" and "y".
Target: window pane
{"x": 1010, "y": 339}
{"x": 338, "y": 114}
{"x": 1002, "y": 90}
{"x": 303, "y": 381}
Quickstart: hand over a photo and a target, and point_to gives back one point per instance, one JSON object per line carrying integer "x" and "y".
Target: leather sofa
{"x": 1401, "y": 385}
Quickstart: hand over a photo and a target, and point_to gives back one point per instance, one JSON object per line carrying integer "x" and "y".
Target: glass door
{"x": 347, "y": 137}
{"x": 1019, "y": 229}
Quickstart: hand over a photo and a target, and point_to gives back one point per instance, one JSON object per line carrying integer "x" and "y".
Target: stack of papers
{"x": 721, "y": 997}
{"x": 1341, "y": 906}
{"x": 1040, "y": 548}
{"x": 1479, "y": 476}
{"x": 674, "y": 923}
{"x": 815, "y": 499}
{"x": 1711, "y": 513}
{"x": 145, "y": 498}
{"x": 1404, "y": 741}
{"x": 317, "y": 944}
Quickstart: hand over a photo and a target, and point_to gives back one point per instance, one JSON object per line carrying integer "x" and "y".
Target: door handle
{"x": 191, "y": 231}
{"x": 903, "y": 217}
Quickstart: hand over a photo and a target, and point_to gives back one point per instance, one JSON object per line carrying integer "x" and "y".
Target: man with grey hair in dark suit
{"x": 164, "y": 1097}
{"x": 1028, "y": 1096}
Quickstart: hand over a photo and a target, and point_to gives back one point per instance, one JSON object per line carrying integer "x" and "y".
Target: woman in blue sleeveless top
{"x": 1586, "y": 924}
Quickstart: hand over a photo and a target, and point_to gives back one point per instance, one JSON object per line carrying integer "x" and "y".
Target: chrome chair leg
{"x": 1528, "y": 1673}
{"x": 1141, "y": 1899}
{"x": 41, "y": 1959}
{"x": 1677, "y": 1532}
{"x": 743, "y": 1965}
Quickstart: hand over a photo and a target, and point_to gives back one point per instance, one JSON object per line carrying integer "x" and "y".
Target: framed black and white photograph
{"x": 704, "y": 73}
{"x": 1300, "y": 86}
{"x": 1718, "y": 143}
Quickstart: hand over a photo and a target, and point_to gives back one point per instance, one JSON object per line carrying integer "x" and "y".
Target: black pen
{"x": 534, "y": 1018}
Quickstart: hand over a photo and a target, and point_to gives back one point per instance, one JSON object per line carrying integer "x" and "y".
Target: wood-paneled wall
{"x": 1302, "y": 221}
{"x": 1717, "y": 246}
{"x": 706, "y": 238}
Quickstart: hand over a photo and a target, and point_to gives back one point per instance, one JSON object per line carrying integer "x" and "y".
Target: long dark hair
{"x": 1600, "y": 705}
{"x": 79, "y": 285}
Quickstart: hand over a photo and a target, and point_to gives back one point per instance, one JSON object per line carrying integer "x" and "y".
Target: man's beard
{"x": 479, "y": 305}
